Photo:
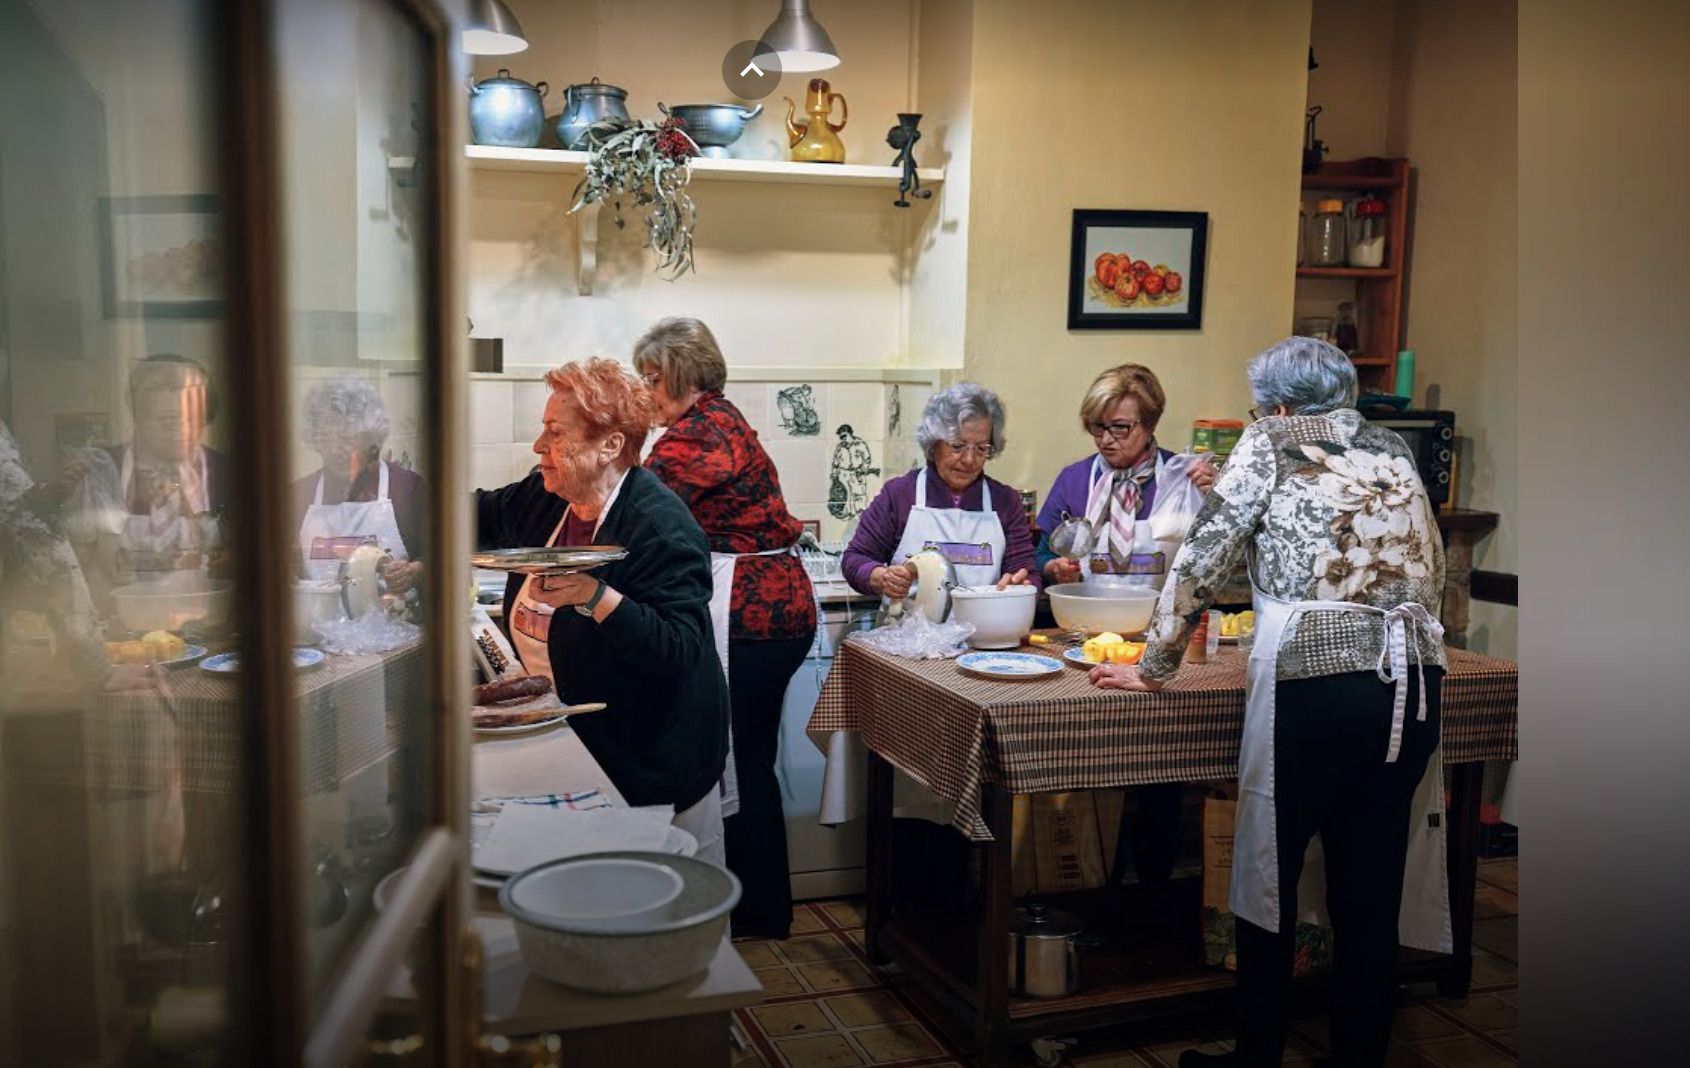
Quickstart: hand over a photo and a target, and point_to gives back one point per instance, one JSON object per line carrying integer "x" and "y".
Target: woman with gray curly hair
{"x": 949, "y": 504}
{"x": 1341, "y": 696}
{"x": 356, "y": 495}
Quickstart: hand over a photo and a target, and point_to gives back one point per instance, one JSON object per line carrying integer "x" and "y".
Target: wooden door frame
{"x": 270, "y": 1006}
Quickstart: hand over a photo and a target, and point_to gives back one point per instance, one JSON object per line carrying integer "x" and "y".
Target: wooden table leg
{"x": 1466, "y": 785}
{"x": 991, "y": 1029}
{"x": 878, "y": 863}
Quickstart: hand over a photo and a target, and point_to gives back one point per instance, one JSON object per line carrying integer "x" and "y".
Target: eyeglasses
{"x": 650, "y": 378}
{"x": 985, "y": 452}
{"x": 1255, "y": 415}
{"x": 1114, "y": 430}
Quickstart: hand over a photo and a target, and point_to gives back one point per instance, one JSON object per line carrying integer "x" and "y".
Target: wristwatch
{"x": 586, "y": 607}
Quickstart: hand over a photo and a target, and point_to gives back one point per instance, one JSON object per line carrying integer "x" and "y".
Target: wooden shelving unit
{"x": 1379, "y": 291}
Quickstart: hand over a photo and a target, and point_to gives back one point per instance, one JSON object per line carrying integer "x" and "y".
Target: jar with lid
{"x": 1326, "y": 234}
{"x": 1367, "y": 233}
{"x": 1345, "y": 333}
{"x": 1302, "y": 231}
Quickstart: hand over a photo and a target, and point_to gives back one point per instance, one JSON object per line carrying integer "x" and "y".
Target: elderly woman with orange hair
{"x": 634, "y": 634}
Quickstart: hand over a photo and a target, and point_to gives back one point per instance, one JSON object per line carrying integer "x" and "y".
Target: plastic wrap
{"x": 915, "y": 637}
{"x": 373, "y": 632}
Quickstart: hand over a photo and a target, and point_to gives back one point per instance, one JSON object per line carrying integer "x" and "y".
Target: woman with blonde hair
{"x": 762, "y": 605}
{"x": 1116, "y": 488}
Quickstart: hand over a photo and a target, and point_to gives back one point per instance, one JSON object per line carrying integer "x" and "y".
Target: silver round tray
{"x": 564, "y": 560}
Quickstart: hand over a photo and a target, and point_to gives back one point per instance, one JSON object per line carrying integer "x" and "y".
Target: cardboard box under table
{"x": 980, "y": 743}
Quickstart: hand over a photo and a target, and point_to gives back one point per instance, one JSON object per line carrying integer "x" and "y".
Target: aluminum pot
{"x": 506, "y": 112}
{"x": 1044, "y": 952}
{"x": 586, "y": 104}
{"x": 713, "y": 127}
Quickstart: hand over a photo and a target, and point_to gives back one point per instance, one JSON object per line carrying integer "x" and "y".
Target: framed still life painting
{"x": 1137, "y": 270}
{"x": 161, "y": 256}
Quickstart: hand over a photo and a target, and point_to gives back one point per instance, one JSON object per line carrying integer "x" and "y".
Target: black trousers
{"x": 1330, "y": 777}
{"x": 755, "y": 838}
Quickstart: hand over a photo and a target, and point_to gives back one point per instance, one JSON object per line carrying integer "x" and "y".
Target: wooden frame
{"x": 1168, "y": 251}
{"x": 270, "y": 1016}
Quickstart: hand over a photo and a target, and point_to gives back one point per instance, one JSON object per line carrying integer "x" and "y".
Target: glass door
{"x": 232, "y": 795}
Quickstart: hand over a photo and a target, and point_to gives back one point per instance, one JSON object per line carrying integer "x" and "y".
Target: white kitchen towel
{"x": 525, "y": 835}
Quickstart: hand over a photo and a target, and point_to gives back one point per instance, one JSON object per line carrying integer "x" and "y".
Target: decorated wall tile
{"x": 798, "y": 410}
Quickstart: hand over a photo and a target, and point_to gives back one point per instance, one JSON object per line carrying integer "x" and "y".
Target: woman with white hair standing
{"x": 976, "y": 521}
{"x": 1341, "y": 697}
{"x": 356, "y": 495}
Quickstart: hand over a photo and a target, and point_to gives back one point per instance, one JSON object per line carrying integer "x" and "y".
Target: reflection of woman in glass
{"x": 166, "y": 478}
{"x": 150, "y": 505}
{"x": 48, "y": 636}
{"x": 356, "y": 495}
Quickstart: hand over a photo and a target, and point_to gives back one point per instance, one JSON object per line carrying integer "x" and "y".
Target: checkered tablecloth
{"x": 950, "y": 730}
{"x": 353, "y": 711}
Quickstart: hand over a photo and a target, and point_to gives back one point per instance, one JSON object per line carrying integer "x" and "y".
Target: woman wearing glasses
{"x": 1116, "y": 488}
{"x": 949, "y": 504}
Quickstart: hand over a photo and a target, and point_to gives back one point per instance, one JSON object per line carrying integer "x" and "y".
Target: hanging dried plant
{"x": 648, "y": 164}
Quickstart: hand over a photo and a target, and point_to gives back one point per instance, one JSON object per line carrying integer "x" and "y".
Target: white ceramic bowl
{"x": 1095, "y": 608}
{"x": 656, "y": 949}
{"x": 1001, "y": 618}
{"x": 600, "y": 893}
{"x": 170, "y": 599}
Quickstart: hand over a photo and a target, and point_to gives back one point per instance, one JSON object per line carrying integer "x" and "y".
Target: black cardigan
{"x": 664, "y": 737}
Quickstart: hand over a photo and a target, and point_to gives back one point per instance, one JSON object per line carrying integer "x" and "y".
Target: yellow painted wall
{"x": 1110, "y": 104}
{"x": 1454, "y": 114}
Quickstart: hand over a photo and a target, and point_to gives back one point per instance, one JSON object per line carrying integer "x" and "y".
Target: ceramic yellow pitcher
{"x": 817, "y": 140}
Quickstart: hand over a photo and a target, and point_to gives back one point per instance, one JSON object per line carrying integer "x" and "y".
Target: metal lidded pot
{"x": 506, "y": 112}
{"x": 713, "y": 127}
{"x": 586, "y": 104}
{"x": 1044, "y": 952}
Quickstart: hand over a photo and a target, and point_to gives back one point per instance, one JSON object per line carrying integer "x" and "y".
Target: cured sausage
{"x": 522, "y": 687}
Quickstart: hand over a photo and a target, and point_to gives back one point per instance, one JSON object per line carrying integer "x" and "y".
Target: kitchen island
{"x": 980, "y": 742}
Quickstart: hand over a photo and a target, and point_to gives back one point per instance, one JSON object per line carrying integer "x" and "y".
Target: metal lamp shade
{"x": 799, "y": 39}
{"x": 492, "y": 30}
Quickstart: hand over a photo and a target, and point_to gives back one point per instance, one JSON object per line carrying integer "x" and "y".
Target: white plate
{"x": 521, "y": 728}
{"x": 1076, "y": 657}
{"x": 676, "y": 841}
{"x": 1008, "y": 665}
{"x": 230, "y": 663}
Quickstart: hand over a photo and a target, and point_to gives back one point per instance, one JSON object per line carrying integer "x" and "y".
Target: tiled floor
{"x": 825, "y": 1007}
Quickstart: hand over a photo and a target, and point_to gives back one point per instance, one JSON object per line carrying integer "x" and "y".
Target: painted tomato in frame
{"x": 1173, "y": 282}
{"x": 1153, "y": 285}
{"x": 1127, "y": 287}
{"x": 1108, "y": 270}
{"x": 1140, "y": 268}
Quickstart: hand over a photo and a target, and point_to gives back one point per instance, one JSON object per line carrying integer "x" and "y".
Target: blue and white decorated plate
{"x": 230, "y": 663}
{"x": 1008, "y": 665}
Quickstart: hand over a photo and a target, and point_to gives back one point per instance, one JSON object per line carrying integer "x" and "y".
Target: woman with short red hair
{"x": 634, "y": 634}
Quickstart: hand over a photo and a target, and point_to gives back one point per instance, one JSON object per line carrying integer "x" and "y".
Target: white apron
{"x": 1148, "y": 563}
{"x": 721, "y": 601}
{"x": 973, "y": 541}
{"x": 174, "y": 528}
{"x": 329, "y": 532}
{"x": 1424, "y": 919}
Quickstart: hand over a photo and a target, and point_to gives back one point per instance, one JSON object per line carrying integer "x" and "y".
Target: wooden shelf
{"x": 485, "y": 158}
{"x": 704, "y": 168}
{"x": 1349, "y": 181}
{"x": 1373, "y": 361}
{"x": 1381, "y": 273}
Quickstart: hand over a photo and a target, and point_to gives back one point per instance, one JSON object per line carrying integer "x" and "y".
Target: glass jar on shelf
{"x": 1345, "y": 334}
{"x": 1367, "y": 233}
{"x": 1326, "y": 234}
{"x": 1302, "y": 231}
{"x": 1318, "y": 327}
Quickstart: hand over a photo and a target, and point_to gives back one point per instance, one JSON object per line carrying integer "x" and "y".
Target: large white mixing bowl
{"x": 1095, "y": 608}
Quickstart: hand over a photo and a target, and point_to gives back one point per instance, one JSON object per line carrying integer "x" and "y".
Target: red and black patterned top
{"x": 713, "y": 461}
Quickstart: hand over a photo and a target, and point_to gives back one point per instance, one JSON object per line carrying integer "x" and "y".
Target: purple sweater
{"x": 1068, "y": 494}
{"x": 882, "y": 525}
